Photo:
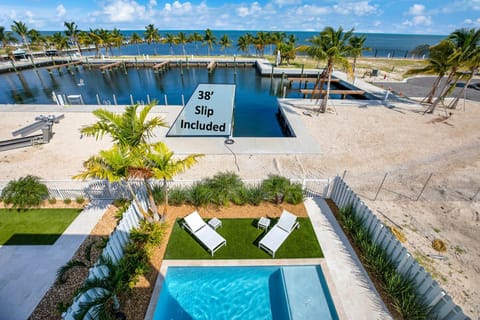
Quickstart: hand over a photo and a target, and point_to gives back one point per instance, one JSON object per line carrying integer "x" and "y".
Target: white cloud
{"x": 61, "y": 10}
{"x": 310, "y": 10}
{"x": 152, "y": 3}
{"x": 249, "y": 11}
{"x": 416, "y": 9}
{"x": 282, "y": 3}
{"x": 468, "y": 21}
{"x": 360, "y": 8}
{"x": 124, "y": 10}
{"x": 178, "y": 7}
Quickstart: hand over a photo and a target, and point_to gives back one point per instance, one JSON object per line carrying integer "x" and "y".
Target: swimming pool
{"x": 267, "y": 292}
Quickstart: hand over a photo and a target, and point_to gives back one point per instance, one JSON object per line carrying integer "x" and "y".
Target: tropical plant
{"x": 287, "y": 52}
{"x": 24, "y": 192}
{"x": 331, "y": 45}
{"x": 135, "y": 38}
{"x": 294, "y": 194}
{"x": 260, "y": 41}
{"x": 225, "y": 187}
{"x": 356, "y": 47}
{"x": 209, "y": 39}
{"x": 225, "y": 42}
{"x": 6, "y": 37}
{"x": 274, "y": 188}
{"x": 466, "y": 50}
{"x": 162, "y": 165}
{"x": 86, "y": 262}
{"x": 196, "y": 38}
{"x": 182, "y": 39}
{"x": 243, "y": 44}
{"x": 255, "y": 195}
{"x": 151, "y": 34}
{"x": 72, "y": 32}
{"x": 422, "y": 50}
{"x": 59, "y": 41}
{"x": 200, "y": 194}
{"x": 177, "y": 196}
{"x": 171, "y": 40}
{"x": 21, "y": 29}
{"x": 437, "y": 63}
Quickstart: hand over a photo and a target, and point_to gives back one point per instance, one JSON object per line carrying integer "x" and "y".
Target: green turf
{"x": 34, "y": 226}
{"x": 242, "y": 242}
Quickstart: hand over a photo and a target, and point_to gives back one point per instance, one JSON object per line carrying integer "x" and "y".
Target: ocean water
{"x": 381, "y": 44}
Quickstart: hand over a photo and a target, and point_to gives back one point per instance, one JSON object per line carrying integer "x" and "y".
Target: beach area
{"x": 429, "y": 165}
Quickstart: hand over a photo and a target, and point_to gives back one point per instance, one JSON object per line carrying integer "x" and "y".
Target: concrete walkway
{"x": 358, "y": 295}
{"x": 27, "y": 272}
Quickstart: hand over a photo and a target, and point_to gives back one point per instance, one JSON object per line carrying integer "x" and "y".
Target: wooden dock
{"x": 344, "y": 93}
{"x": 63, "y": 65}
{"x": 211, "y": 66}
{"x": 160, "y": 66}
{"x": 310, "y": 79}
{"x": 110, "y": 65}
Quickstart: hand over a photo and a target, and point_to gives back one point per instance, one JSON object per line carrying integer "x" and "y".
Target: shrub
{"x": 200, "y": 194}
{"x": 275, "y": 187}
{"x": 241, "y": 196}
{"x": 52, "y": 200}
{"x": 294, "y": 194}
{"x": 225, "y": 187}
{"x": 255, "y": 195}
{"x": 25, "y": 192}
{"x": 177, "y": 196}
{"x": 80, "y": 200}
{"x": 158, "y": 194}
{"x": 67, "y": 200}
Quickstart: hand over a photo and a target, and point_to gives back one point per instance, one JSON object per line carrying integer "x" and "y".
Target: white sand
{"x": 367, "y": 142}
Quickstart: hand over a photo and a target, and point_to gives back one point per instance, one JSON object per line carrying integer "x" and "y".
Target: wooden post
{"x": 381, "y": 185}
{"x": 424, "y": 186}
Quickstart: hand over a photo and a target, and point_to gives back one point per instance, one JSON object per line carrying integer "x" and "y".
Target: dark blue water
{"x": 256, "y": 104}
{"x": 381, "y": 44}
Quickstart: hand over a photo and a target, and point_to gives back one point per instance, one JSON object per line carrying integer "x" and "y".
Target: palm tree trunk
{"x": 354, "y": 64}
{"x": 323, "y": 106}
{"x": 454, "y": 102}
{"x": 165, "y": 206}
{"x": 428, "y": 99}
{"x": 137, "y": 202}
{"x": 153, "y": 210}
{"x": 442, "y": 93}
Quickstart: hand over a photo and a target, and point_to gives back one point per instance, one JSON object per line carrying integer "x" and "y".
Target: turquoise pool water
{"x": 286, "y": 292}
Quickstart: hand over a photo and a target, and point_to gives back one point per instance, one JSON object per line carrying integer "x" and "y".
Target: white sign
{"x": 208, "y": 112}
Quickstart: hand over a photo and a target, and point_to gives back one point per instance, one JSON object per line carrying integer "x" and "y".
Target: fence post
{"x": 424, "y": 186}
{"x": 381, "y": 185}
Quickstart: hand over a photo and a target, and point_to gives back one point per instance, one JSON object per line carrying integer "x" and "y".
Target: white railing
{"x": 443, "y": 307}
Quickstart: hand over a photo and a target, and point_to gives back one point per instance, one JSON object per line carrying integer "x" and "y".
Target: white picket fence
{"x": 443, "y": 307}
{"x": 102, "y": 189}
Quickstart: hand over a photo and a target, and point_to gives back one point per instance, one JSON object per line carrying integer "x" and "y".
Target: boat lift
{"x": 43, "y": 123}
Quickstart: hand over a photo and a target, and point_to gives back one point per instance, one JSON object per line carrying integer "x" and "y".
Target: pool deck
{"x": 351, "y": 289}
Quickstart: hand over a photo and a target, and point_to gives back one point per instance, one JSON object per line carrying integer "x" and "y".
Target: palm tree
{"x": 151, "y": 34}
{"x": 87, "y": 39}
{"x": 36, "y": 37}
{"x": 183, "y": 40}
{"x": 357, "y": 46}
{"x": 163, "y": 166}
{"x": 136, "y": 39}
{"x": 21, "y": 29}
{"x": 276, "y": 38}
{"x": 260, "y": 41}
{"x": 129, "y": 130}
{"x": 6, "y": 37}
{"x": 243, "y": 44}
{"x": 171, "y": 40}
{"x": 225, "y": 42}
{"x": 437, "y": 64}
{"x": 72, "y": 32}
{"x": 466, "y": 44}
{"x": 116, "y": 38}
{"x": 59, "y": 41}
{"x": 209, "y": 40}
{"x": 103, "y": 290}
{"x": 331, "y": 45}
{"x": 196, "y": 37}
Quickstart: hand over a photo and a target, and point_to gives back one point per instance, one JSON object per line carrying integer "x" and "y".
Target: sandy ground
{"x": 364, "y": 142}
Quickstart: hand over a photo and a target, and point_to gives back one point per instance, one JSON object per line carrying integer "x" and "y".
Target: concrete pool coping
{"x": 242, "y": 263}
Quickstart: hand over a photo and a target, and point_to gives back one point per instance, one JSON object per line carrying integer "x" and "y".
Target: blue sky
{"x": 401, "y": 16}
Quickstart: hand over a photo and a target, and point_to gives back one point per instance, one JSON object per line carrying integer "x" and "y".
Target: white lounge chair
{"x": 279, "y": 233}
{"x": 203, "y": 232}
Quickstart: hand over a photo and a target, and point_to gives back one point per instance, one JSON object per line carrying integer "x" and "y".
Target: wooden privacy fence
{"x": 443, "y": 307}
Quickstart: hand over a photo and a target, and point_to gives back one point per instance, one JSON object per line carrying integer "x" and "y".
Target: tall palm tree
{"x": 72, "y": 32}
{"x": 357, "y": 46}
{"x": 171, "y": 40}
{"x": 209, "y": 39}
{"x": 163, "y": 166}
{"x": 36, "y": 37}
{"x": 331, "y": 45}
{"x": 87, "y": 39}
{"x": 437, "y": 64}
{"x": 276, "y": 38}
{"x": 6, "y": 37}
{"x": 260, "y": 41}
{"x": 182, "y": 39}
{"x": 136, "y": 39}
{"x": 59, "y": 41}
{"x": 21, "y": 29}
{"x": 466, "y": 42}
{"x": 130, "y": 130}
{"x": 116, "y": 38}
{"x": 151, "y": 34}
{"x": 225, "y": 42}
{"x": 243, "y": 44}
{"x": 196, "y": 38}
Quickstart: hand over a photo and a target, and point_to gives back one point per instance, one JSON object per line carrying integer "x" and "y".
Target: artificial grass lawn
{"x": 242, "y": 242}
{"x": 34, "y": 226}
